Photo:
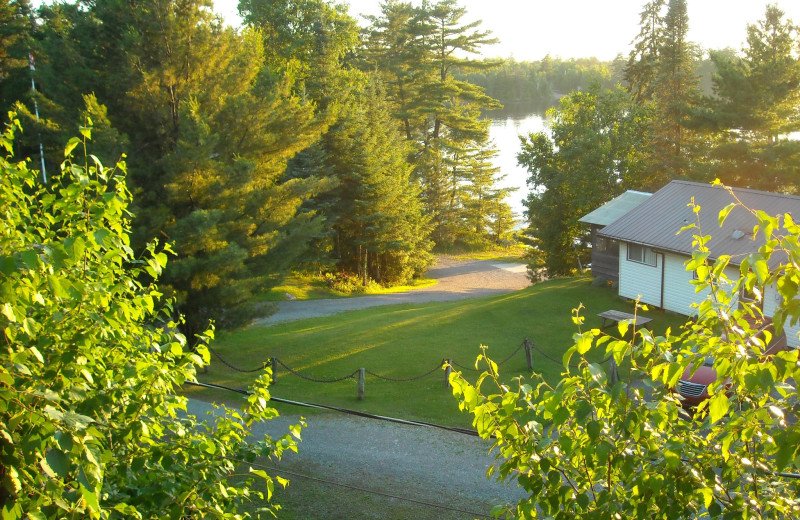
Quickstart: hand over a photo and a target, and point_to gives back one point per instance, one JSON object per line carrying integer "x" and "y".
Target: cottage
{"x": 605, "y": 251}
{"x": 652, "y": 255}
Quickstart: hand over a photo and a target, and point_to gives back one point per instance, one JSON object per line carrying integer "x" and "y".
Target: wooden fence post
{"x": 274, "y": 364}
{"x": 448, "y": 368}
{"x": 361, "y": 377}
{"x": 528, "y": 354}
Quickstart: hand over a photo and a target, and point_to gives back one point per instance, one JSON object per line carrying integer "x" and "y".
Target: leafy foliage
{"x": 90, "y": 423}
{"x": 596, "y": 150}
{"x": 595, "y": 447}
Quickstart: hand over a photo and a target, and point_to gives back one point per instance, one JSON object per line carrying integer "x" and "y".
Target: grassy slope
{"x": 408, "y": 340}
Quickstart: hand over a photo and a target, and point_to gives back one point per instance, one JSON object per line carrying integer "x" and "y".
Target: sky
{"x": 531, "y": 29}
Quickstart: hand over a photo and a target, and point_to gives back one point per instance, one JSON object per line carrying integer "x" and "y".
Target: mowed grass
{"x": 404, "y": 341}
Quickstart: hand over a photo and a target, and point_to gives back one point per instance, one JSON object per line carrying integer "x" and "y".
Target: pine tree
{"x": 211, "y": 129}
{"x": 640, "y": 72}
{"x": 755, "y": 108}
{"x": 440, "y": 113}
{"x": 16, "y": 31}
{"x": 381, "y": 233}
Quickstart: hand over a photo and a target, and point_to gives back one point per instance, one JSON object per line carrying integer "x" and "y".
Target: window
{"x": 641, "y": 254}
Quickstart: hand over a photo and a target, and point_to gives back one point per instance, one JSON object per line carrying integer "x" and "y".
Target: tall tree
{"x": 380, "y": 233}
{"x": 676, "y": 93}
{"x": 441, "y": 114}
{"x": 16, "y": 38}
{"x": 211, "y": 129}
{"x": 598, "y": 149}
{"x": 486, "y": 213}
{"x": 755, "y": 108}
{"x": 309, "y": 41}
{"x": 640, "y": 72}
{"x": 662, "y": 71}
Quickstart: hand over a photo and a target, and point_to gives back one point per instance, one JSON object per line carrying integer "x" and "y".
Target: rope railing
{"x": 361, "y": 373}
{"x": 313, "y": 379}
{"x": 407, "y": 379}
{"x": 527, "y": 344}
{"x": 276, "y": 361}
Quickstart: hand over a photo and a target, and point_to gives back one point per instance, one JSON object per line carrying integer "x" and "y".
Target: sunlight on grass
{"x": 407, "y": 340}
{"x": 311, "y": 286}
{"x": 340, "y": 356}
{"x": 515, "y": 253}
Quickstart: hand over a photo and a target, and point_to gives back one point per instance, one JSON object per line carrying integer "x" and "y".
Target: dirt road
{"x": 458, "y": 279}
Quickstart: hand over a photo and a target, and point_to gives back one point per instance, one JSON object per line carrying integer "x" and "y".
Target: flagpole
{"x": 36, "y": 111}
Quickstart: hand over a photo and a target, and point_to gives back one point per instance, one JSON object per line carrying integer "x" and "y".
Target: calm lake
{"x": 505, "y": 133}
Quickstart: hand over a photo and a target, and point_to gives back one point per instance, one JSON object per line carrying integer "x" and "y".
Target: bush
{"x": 90, "y": 422}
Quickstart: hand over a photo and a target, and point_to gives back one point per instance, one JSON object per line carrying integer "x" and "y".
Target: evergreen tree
{"x": 211, "y": 130}
{"x": 395, "y": 48}
{"x": 381, "y": 233}
{"x": 755, "y": 108}
{"x": 640, "y": 72}
{"x": 662, "y": 71}
{"x": 308, "y": 41}
{"x": 676, "y": 93}
{"x": 486, "y": 214}
{"x": 440, "y": 113}
{"x": 16, "y": 30}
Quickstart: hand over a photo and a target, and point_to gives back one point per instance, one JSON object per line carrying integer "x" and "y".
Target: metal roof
{"x": 615, "y": 208}
{"x": 657, "y": 221}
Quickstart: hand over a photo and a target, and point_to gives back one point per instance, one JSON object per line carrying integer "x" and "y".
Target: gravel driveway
{"x": 458, "y": 279}
{"x": 371, "y": 469}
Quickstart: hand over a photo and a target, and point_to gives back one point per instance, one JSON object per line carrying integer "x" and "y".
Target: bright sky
{"x": 531, "y": 29}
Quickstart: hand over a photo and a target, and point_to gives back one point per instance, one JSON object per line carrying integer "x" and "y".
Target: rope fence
{"x": 360, "y": 374}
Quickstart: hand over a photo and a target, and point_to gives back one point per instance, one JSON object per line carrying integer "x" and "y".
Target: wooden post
{"x": 448, "y": 368}
{"x": 274, "y": 364}
{"x": 613, "y": 373}
{"x": 528, "y": 354}
{"x": 361, "y": 377}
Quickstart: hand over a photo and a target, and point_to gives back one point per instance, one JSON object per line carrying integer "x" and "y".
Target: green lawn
{"x": 408, "y": 340}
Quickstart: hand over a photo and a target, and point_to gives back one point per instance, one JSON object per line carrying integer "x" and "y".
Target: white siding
{"x": 638, "y": 280}
{"x": 771, "y": 300}
{"x": 679, "y": 293}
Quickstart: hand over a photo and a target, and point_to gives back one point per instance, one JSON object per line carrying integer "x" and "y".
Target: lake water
{"x": 505, "y": 133}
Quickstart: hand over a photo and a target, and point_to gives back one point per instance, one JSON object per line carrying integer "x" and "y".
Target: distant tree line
{"x": 525, "y": 87}
{"x": 658, "y": 125}
{"x": 296, "y": 140}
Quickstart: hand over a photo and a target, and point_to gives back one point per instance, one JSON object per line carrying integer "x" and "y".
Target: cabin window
{"x": 641, "y": 254}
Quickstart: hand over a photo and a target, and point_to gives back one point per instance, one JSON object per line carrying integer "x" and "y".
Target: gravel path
{"x": 458, "y": 279}
{"x": 420, "y": 467}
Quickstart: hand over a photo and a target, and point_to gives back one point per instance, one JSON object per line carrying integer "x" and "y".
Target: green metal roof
{"x": 609, "y": 212}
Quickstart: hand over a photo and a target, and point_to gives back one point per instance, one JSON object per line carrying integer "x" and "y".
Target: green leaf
{"x": 71, "y": 144}
{"x": 55, "y": 286}
{"x": 718, "y": 407}
{"x": 8, "y": 312}
{"x": 584, "y": 343}
{"x": 723, "y": 214}
{"x": 58, "y": 461}
{"x": 597, "y": 373}
{"x": 90, "y": 497}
